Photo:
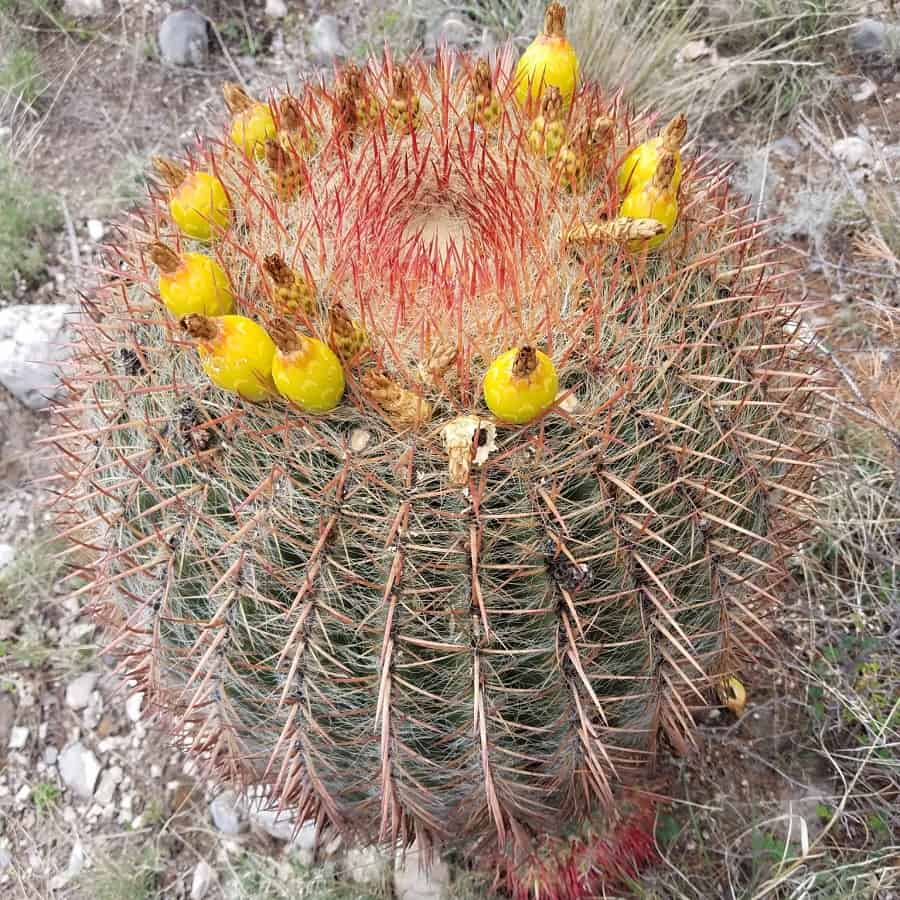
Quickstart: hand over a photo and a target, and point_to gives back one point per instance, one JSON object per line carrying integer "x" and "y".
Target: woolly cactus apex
{"x": 402, "y": 617}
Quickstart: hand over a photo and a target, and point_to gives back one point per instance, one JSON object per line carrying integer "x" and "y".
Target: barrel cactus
{"x": 406, "y": 612}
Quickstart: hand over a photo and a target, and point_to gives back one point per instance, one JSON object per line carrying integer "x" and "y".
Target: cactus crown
{"x": 400, "y": 617}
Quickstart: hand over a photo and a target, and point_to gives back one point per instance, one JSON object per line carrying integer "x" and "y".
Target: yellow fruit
{"x": 733, "y": 695}
{"x": 548, "y": 60}
{"x": 657, "y": 200}
{"x": 200, "y": 206}
{"x": 520, "y": 384}
{"x": 191, "y": 283}
{"x": 639, "y": 166}
{"x": 251, "y": 128}
{"x": 235, "y": 352}
{"x": 305, "y": 370}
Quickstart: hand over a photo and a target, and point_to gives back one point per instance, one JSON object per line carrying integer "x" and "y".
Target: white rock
{"x": 325, "y": 40}
{"x": 93, "y": 712}
{"x": 78, "y": 692}
{"x": 276, "y": 9}
{"x": 133, "y": 706}
{"x": 305, "y": 838}
{"x": 184, "y": 39}
{"x": 107, "y": 787}
{"x": 785, "y": 148}
{"x": 228, "y": 813}
{"x": 415, "y": 880}
{"x": 76, "y": 863}
{"x": 51, "y": 754}
{"x": 695, "y": 50}
{"x": 866, "y": 90}
{"x": 32, "y": 344}
{"x": 23, "y": 795}
{"x": 203, "y": 878}
{"x": 7, "y": 555}
{"x": 83, "y": 9}
{"x": 96, "y": 230}
{"x": 156, "y": 771}
{"x": 5, "y": 858}
{"x": 278, "y": 825}
{"x": 18, "y": 737}
{"x": 79, "y": 769}
{"x": 853, "y": 152}
{"x": 365, "y": 865}
{"x": 453, "y": 30}
{"x": 868, "y": 38}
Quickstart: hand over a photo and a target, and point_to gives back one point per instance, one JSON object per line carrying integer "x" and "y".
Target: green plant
{"x": 45, "y": 795}
{"x": 36, "y": 566}
{"x": 24, "y": 213}
{"x": 20, "y": 73}
{"x": 403, "y": 616}
{"x": 130, "y": 874}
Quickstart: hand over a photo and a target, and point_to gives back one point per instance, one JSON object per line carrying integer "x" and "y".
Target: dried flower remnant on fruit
{"x": 171, "y": 172}
{"x": 402, "y": 408}
{"x": 674, "y": 133}
{"x": 164, "y": 257}
{"x": 295, "y": 295}
{"x": 236, "y": 98}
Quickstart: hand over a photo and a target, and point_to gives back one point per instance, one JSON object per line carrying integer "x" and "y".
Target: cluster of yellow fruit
{"x": 649, "y": 177}
{"x": 242, "y": 356}
{"x": 238, "y": 354}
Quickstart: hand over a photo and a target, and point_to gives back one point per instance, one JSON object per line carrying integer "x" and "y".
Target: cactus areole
{"x": 402, "y": 614}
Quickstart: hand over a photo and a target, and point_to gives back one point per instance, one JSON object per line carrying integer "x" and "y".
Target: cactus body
{"x": 472, "y": 654}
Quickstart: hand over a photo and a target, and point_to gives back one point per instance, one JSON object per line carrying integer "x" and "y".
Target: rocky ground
{"x": 92, "y": 802}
